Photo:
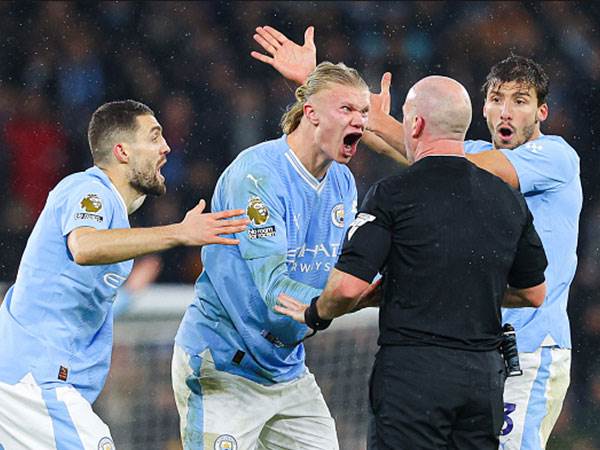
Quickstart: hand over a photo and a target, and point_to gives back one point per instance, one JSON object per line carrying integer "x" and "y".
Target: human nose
{"x": 506, "y": 111}
{"x": 359, "y": 120}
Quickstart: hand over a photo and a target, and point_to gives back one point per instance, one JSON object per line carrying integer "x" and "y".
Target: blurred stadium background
{"x": 190, "y": 62}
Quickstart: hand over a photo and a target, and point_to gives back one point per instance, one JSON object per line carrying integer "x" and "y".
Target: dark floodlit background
{"x": 190, "y": 62}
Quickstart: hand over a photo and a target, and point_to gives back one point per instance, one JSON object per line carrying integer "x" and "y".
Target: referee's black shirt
{"x": 447, "y": 236}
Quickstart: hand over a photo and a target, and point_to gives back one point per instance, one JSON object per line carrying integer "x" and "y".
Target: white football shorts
{"x": 532, "y": 401}
{"x": 32, "y": 417}
{"x": 222, "y": 411}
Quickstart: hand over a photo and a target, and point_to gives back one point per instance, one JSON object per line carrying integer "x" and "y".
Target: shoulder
{"x": 262, "y": 157}
{"x": 477, "y": 146}
{"x": 550, "y": 155}
{"x": 80, "y": 183}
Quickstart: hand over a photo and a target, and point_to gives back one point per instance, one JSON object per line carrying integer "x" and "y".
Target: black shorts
{"x": 430, "y": 398}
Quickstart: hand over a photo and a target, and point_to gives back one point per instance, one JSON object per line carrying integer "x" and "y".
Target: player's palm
{"x": 198, "y": 228}
{"x": 293, "y": 61}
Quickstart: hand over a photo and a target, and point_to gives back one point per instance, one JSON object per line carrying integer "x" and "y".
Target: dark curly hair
{"x": 521, "y": 70}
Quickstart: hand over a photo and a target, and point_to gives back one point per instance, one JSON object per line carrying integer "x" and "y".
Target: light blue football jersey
{"x": 56, "y": 321}
{"x": 298, "y": 226}
{"x": 548, "y": 171}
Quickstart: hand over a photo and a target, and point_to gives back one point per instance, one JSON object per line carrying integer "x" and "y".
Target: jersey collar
{"x": 308, "y": 177}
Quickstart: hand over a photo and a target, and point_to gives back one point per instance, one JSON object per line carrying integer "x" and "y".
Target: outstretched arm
{"x": 387, "y": 133}
{"x": 291, "y": 60}
{"x": 90, "y": 246}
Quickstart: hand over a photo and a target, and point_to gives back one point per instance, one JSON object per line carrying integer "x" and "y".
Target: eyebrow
{"x": 156, "y": 127}
{"x": 518, "y": 93}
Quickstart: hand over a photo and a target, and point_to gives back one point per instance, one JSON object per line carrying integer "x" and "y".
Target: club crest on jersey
{"x": 337, "y": 215}
{"x": 257, "y": 211}
{"x": 225, "y": 442}
{"x": 106, "y": 443}
{"x": 91, "y": 203}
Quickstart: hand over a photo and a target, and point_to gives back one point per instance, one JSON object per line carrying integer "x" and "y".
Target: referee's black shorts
{"x": 430, "y": 398}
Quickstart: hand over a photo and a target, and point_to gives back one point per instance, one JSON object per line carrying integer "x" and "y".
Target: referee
{"x": 454, "y": 244}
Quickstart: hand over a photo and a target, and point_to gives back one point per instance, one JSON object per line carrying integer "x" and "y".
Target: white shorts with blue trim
{"x": 532, "y": 401}
{"x": 32, "y": 417}
{"x": 222, "y": 411}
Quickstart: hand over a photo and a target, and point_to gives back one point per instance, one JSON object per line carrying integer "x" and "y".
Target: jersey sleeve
{"x": 89, "y": 204}
{"x": 542, "y": 164}
{"x": 472, "y": 147}
{"x": 369, "y": 237}
{"x": 530, "y": 260}
{"x": 264, "y": 244}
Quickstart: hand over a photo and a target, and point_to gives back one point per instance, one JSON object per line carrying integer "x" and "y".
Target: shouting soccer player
{"x": 545, "y": 169}
{"x": 239, "y": 375}
{"x": 56, "y": 321}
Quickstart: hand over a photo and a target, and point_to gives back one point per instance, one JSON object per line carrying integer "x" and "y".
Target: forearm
{"x": 92, "y": 247}
{"x": 341, "y": 295}
{"x": 271, "y": 278}
{"x": 524, "y": 298}
{"x": 390, "y": 131}
{"x": 378, "y": 145}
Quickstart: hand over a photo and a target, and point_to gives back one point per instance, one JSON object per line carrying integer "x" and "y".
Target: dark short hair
{"x": 111, "y": 118}
{"x": 521, "y": 70}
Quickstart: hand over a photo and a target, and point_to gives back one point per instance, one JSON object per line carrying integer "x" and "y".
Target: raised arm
{"x": 387, "y": 134}
{"x": 291, "y": 60}
{"x": 90, "y": 246}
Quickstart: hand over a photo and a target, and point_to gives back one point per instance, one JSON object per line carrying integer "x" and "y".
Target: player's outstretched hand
{"x": 199, "y": 228}
{"x": 290, "y": 307}
{"x": 380, "y": 103}
{"x": 291, "y": 60}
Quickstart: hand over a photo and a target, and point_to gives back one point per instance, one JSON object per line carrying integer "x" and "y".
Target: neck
{"x": 440, "y": 147}
{"x": 303, "y": 143}
{"x": 132, "y": 197}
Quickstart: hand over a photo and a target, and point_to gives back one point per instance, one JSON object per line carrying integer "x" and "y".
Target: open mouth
{"x": 505, "y": 132}
{"x": 159, "y": 168}
{"x": 350, "y": 143}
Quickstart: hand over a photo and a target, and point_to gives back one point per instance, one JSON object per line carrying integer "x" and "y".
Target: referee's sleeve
{"x": 530, "y": 261}
{"x": 368, "y": 239}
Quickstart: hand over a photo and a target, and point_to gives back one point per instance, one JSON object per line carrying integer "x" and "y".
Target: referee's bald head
{"x": 443, "y": 104}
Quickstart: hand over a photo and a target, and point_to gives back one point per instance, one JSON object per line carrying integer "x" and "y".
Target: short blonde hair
{"x": 324, "y": 74}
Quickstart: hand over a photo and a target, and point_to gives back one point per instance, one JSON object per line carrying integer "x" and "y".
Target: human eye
{"x": 346, "y": 108}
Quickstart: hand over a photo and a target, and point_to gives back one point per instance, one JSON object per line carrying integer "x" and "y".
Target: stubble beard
{"x": 147, "y": 182}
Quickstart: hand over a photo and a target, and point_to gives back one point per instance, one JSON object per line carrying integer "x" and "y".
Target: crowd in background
{"x": 190, "y": 62}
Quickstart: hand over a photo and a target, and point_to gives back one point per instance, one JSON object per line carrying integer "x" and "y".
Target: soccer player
{"x": 56, "y": 321}
{"x": 545, "y": 169}
{"x": 433, "y": 229}
{"x": 239, "y": 374}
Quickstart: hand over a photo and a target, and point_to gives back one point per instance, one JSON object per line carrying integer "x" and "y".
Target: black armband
{"x": 312, "y": 319}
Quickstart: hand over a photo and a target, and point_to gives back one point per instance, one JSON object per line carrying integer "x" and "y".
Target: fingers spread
{"x": 265, "y": 44}
{"x": 386, "y": 81}
{"x": 309, "y": 36}
{"x": 228, "y": 213}
{"x": 269, "y": 38}
{"x": 262, "y": 58}
{"x": 276, "y": 34}
{"x": 200, "y": 206}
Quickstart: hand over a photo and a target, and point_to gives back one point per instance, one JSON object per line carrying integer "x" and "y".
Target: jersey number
{"x": 509, "y": 408}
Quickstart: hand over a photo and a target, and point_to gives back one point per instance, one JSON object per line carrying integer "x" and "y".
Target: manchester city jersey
{"x": 297, "y": 226}
{"x": 56, "y": 320}
{"x": 548, "y": 171}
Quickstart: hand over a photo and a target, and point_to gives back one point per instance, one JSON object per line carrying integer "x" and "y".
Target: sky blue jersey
{"x": 56, "y": 320}
{"x": 294, "y": 239}
{"x": 548, "y": 171}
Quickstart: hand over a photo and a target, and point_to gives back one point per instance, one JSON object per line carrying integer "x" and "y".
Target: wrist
{"x": 312, "y": 318}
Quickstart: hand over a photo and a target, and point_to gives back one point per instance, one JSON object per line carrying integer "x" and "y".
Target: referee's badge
{"x": 225, "y": 442}
{"x": 337, "y": 215}
{"x": 257, "y": 211}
